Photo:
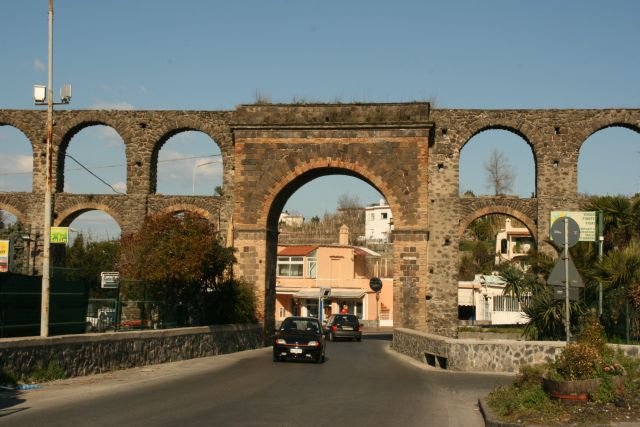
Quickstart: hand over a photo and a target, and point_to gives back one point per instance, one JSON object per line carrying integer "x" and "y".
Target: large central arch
{"x": 273, "y": 161}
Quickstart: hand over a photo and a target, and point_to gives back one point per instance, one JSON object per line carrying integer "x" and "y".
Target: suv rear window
{"x": 345, "y": 318}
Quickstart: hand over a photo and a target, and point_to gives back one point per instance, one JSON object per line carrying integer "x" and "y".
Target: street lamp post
{"x": 193, "y": 178}
{"x": 39, "y": 94}
{"x": 46, "y": 274}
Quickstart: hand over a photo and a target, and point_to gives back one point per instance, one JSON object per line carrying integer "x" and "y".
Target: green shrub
{"x": 53, "y": 371}
{"x": 524, "y": 395}
{"x": 592, "y": 333}
{"x": 578, "y": 361}
{"x": 531, "y": 375}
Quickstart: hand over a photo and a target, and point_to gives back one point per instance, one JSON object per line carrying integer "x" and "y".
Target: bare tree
{"x": 347, "y": 201}
{"x": 500, "y": 174}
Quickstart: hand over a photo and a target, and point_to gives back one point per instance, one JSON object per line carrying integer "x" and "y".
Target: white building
{"x": 481, "y": 301}
{"x": 378, "y": 222}
{"x": 292, "y": 220}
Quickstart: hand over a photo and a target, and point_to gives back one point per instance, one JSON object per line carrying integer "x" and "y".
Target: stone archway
{"x": 500, "y": 210}
{"x": 410, "y": 148}
{"x": 20, "y": 216}
{"x": 67, "y": 216}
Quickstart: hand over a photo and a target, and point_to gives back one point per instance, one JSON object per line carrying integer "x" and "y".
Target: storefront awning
{"x": 314, "y": 293}
{"x": 347, "y": 293}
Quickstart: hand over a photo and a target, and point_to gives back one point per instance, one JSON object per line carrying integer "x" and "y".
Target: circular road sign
{"x": 375, "y": 284}
{"x": 558, "y": 232}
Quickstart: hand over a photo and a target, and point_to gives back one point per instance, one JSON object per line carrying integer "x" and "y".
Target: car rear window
{"x": 345, "y": 318}
{"x": 300, "y": 325}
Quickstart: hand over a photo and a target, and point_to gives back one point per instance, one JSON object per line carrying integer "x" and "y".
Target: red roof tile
{"x": 297, "y": 250}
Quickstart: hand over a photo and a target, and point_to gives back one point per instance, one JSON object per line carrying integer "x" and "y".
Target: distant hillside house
{"x": 378, "y": 222}
{"x": 291, "y": 220}
{"x": 303, "y": 271}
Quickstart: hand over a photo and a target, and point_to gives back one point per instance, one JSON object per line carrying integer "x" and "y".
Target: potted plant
{"x": 586, "y": 368}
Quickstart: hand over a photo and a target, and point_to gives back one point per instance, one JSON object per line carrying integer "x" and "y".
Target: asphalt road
{"x": 360, "y": 384}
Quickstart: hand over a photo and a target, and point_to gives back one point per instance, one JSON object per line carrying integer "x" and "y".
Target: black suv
{"x": 343, "y": 326}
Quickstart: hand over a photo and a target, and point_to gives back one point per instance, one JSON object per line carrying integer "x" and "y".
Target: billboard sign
{"x": 60, "y": 235}
{"x": 586, "y": 220}
{"x": 4, "y": 256}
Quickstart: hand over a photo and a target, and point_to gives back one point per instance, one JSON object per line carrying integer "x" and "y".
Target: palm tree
{"x": 621, "y": 219}
{"x": 547, "y": 315}
{"x": 619, "y": 271}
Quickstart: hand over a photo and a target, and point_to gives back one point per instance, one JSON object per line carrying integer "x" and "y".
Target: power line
{"x": 176, "y": 159}
{"x": 96, "y": 176}
{"x": 119, "y": 192}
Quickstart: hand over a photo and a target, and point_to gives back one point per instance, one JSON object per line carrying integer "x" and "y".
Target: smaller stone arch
{"x": 514, "y": 131}
{"x": 70, "y": 133}
{"x": 20, "y": 216}
{"x": 602, "y": 125}
{"x": 472, "y": 132}
{"x": 23, "y": 123}
{"x": 164, "y": 138}
{"x": 24, "y": 137}
{"x": 184, "y": 207}
{"x": 67, "y": 216}
{"x": 500, "y": 210}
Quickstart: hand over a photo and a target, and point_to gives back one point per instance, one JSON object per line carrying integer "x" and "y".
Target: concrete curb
{"x": 490, "y": 419}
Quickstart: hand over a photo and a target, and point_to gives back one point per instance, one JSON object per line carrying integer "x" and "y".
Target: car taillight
{"x": 314, "y": 343}
{"x": 280, "y": 341}
{"x": 334, "y": 328}
{"x": 359, "y": 328}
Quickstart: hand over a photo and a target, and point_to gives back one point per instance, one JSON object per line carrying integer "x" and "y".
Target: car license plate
{"x": 295, "y": 351}
{"x": 347, "y": 328}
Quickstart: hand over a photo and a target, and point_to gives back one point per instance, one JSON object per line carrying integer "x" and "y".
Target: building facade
{"x": 378, "y": 222}
{"x": 337, "y": 274}
{"x": 481, "y": 302}
{"x": 513, "y": 244}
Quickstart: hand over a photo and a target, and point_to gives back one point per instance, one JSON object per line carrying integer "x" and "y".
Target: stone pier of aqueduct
{"x": 408, "y": 152}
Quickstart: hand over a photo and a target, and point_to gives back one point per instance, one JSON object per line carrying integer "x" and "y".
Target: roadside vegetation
{"x": 51, "y": 372}
{"x": 177, "y": 263}
{"x": 530, "y": 399}
{"x": 617, "y": 274}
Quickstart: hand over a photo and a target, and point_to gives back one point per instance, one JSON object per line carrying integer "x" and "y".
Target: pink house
{"x": 304, "y": 272}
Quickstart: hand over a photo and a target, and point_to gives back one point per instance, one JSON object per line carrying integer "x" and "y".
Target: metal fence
{"x": 112, "y": 314}
{"x": 20, "y": 300}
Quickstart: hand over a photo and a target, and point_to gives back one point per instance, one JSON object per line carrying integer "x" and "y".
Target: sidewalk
{"x": 382, "y": 330}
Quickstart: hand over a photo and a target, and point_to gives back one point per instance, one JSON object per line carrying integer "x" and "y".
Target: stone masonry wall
{"x": 408, "y": 151}
{"x": 94, "y": 353}
{"x": 473, "y": 355}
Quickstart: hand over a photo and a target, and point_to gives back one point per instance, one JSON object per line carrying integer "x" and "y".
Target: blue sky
{"x": 214, "y": 55}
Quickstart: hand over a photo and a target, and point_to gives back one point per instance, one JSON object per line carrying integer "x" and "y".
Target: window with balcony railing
{"x": 508, "y": 303}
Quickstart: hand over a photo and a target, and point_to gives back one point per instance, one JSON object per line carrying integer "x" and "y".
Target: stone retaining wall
{"x": 469, "y": 355}
{"x": 94, "y": 353}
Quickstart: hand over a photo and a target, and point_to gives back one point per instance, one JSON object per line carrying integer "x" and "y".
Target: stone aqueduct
{"x": 407, "y": 151}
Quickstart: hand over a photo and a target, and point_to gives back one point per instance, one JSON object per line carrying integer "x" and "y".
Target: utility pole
{"x": 46, "y": 253}
{"x": 600, "y": 250}
{"x": 567, "y": 325}
{"x": 40, "y": 95}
